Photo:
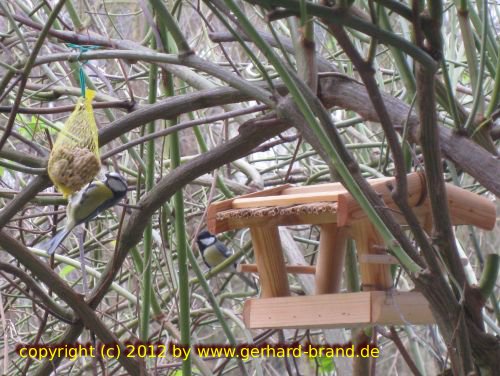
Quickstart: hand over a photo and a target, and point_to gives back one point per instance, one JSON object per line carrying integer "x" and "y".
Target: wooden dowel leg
{"x": 332, "y": 247}
{"x": 270, "y": 261}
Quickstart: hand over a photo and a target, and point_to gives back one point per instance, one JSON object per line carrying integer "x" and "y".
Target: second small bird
{"x": 214, "y": 252}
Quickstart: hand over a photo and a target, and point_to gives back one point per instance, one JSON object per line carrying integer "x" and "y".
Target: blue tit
{"x": 215, "y": 252}
{"x": 88, "y": 203}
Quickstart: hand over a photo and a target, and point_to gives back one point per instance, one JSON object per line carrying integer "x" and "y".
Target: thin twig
{"x": 27, "y": 69}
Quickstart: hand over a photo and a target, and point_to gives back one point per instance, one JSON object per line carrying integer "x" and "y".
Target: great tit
{"x": 88, "y": 203}
{"x": 215, "y": 252}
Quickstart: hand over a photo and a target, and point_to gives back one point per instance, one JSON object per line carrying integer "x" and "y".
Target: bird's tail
{"x": 57, "y": 239}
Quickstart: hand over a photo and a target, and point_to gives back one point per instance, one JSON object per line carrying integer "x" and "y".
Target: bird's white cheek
{"x": 206, "y": 242}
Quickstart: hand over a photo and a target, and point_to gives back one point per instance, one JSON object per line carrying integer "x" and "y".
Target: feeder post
{"x": 332, "y": 248}
{"x": 369, "y": 242}
{"x": 270, "y": 261}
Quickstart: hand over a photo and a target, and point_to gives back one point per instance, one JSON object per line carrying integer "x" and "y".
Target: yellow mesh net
{"x": 74, "y": 159}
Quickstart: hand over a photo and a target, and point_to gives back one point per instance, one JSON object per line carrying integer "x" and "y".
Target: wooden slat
{"x": 338, "y": 310}
{"x": 280, "y": 220}
{"x": 331, "y": 255}
{"x": 300, "y": 195}
{"x": 270, "y": 261}
{"x": 328, "y": 187}
{"x": 394, "y": 308}
{"x": 216, "y": 227}
{"x": 317, "y": 188}
{"x": 285, "y": 200}
{"x": 312, "y": 311}
{"x": 290, "y": 269}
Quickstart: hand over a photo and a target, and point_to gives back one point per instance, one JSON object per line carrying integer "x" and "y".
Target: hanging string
{"x": 82, "y": 80}
{"x": 81, "y": 72}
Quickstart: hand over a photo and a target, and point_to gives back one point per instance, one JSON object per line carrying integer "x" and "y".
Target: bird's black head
{"x": 117, "y": 184}
{"x": 205, "y": 239}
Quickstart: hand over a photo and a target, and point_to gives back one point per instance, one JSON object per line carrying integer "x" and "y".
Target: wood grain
{"x": 270, "y": 261}
{"x": 338, "y": 310}
{"x": 215, "y": 226}
{"x": 369, "y": 242}
{"x": 290, "y": 269}
{"x": 331, "y": 255}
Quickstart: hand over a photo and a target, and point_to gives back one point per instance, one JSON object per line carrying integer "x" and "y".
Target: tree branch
{"x": 66, "y": 293}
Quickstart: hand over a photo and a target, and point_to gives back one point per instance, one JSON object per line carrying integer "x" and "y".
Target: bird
{"x": 214, "y": 252}
{"x": 86, "y": 204}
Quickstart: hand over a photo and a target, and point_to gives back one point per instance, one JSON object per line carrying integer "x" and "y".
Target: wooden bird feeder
{"x": 339, "y": 216}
